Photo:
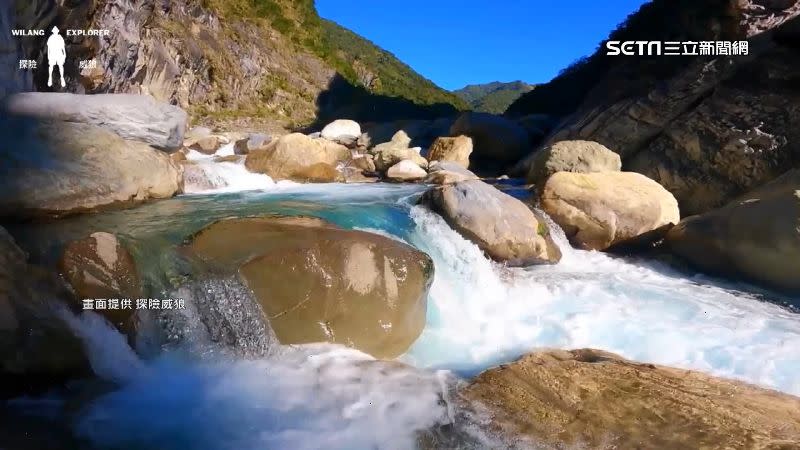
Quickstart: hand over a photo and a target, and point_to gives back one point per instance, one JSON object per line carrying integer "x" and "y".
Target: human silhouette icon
{"x": 56, "y": 56}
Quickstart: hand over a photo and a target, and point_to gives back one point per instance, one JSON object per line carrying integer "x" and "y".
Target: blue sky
{"x": 459, "y": 42}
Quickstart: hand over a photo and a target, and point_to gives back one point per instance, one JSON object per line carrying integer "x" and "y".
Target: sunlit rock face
{"x": 593, "y": 399}
{"x": 316, "y": 282}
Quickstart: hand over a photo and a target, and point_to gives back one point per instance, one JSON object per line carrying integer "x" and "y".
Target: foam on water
{"x": 207, "y": 176}
{"x": 308, "y": 397}
{"x": 481, "y": 313}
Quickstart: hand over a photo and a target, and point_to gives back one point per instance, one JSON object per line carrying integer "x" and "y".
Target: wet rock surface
{"x": 502, "y": 226}
{"x": 594, "y": 399}
{"x": 319, "y": 283}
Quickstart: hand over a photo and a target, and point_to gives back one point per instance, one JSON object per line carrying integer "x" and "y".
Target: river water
{"x": 480, "y": 313}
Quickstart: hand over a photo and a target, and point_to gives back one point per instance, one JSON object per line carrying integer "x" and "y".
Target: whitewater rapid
{"x": 207, "y": 175}
{"x": 480, "y": 313}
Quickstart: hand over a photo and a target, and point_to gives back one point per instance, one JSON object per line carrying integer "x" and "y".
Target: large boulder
{"x": 756, "y": 237}
{"x": 448, "y": 172}
{"x": 291, "y": 157}
{"x": 59, "y": 168}
{"x": 455, "y": 149}
{"x": 713, "y": 130}
{"x": 134, "y": 117}
{"x": 390, "y": 153}
{"x": 317, "y": 282}
{"x": 502, "y": 226}
{"x": 598, "y": 210}
{"x": 100, "y": 267}
{"x": 496, "y": 140}
{"x": 572, "y": 156}
{"x": 594, "y": 399}
{"x": 38, "y": 350}
{"x": 406, "y": 170}
{"x": 341, "y": 129}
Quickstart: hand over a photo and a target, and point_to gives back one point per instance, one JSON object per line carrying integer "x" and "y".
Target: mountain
{"x": 493, "y": 97}
{"x": 239, "y": 61}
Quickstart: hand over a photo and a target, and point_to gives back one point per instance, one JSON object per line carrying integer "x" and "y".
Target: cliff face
{"x": 708, "y": 129}
{"x": 223, "y": 61}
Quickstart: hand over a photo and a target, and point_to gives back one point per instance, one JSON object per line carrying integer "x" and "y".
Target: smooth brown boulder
{"x": 316, "y": 282}
{"x": 756, "y": 237}
{"x": 598, "y": 210}
{"x": 455, "y": 149}
{"x": 38, "y": 349}
{"x": 207, "y": 145}
{"x": 100, "y": 267}
{"x": 594, "y": 399}
{"x": 318, "y": 173}
{"x": 291, "y": 156}
{"x": 502, "y": 226}
{"x": 572, "y": 156}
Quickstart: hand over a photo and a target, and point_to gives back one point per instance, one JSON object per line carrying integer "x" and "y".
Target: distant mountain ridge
{"x": 493, "y": 97}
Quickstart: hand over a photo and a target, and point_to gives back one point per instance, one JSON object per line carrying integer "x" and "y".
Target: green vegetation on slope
{"x": 356, "y": 59}
{"x": 665, "y": 20}
{"x": 381, "y": 72}
{"x": 493, "y": 97}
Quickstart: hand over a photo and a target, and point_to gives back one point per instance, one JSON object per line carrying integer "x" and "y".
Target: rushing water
{"x": 479, "y": 313}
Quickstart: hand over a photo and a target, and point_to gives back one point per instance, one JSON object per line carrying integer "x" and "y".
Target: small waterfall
{"x": 481, "y": 313}
{"x": 204, "y": 174}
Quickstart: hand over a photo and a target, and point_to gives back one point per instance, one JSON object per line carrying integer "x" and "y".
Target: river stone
{"x": 254, "y": 142}
{"x": 593, "y": 399}
{"x": 455, "y": 149}
{"x": 291, "y": 156}
{"x": 340, "y": 129}
{"x": 37, "y": 348}
{"x": 405, "y": 170}
{"x": 448, "y": 172}
{"x": 502, "y": 226}
{"x": 572, "y": 156}
{"x": 207, "y": 145}
{"x": 100, "y": 267}
{"x": 317, "y": 282}
{"x": 318, "y": 173}
{"x": 396, "y": 150}
{"x": 756, "y": 237}
{"x": 494, "y": 138}
{"x": 131, "y": 116}
{"x": 598, "y": 210}
{"x": 59, "y": 168}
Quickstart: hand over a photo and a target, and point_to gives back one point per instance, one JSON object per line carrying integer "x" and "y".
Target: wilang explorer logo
{"x": 56, "y": 50}
{"x": 677, "y": 48}
{"x": 56, "y": 56}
